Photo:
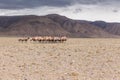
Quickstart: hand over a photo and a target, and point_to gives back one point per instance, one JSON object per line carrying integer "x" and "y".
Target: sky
{"x": 92, "y": 10}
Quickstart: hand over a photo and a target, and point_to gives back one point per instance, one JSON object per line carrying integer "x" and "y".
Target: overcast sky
{"x": 107, "y": 10}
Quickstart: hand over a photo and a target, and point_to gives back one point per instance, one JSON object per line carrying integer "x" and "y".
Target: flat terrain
{"x": 76, "y": 59}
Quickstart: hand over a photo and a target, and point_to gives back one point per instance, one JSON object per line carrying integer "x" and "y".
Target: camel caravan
{"x": 43, "y": 39}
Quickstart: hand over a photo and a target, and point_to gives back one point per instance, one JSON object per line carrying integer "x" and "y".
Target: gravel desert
{"x": 75, "y": 59}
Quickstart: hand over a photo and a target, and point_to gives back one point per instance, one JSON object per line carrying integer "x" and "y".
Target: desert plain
{"x": 75, "y": 59}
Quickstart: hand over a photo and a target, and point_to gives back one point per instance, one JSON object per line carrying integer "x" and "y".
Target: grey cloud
{"x": 19, "y": 4}
{"x": 115, "y": 11}
{"x": 77, "y": 10}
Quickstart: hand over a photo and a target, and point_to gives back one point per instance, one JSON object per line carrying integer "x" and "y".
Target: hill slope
{"x": 53, "y": 24}
{"x": 113, "y": 28}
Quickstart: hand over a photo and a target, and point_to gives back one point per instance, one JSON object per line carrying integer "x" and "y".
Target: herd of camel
{"x": 44, "y": 39}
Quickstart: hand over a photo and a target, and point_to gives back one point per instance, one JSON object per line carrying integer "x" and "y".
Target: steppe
{"x": 75, "y": 59}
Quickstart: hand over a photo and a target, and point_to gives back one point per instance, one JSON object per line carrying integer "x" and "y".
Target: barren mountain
{"x": 113, "y": 28}
{"x": 54, "y": 24}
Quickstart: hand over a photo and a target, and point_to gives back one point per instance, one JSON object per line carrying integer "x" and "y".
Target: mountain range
{"x": 56, "y": 25}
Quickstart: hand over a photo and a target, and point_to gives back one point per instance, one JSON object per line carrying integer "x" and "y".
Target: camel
{"x": 24, "y": 39}
{"x": 37, "y": 39}
{"x": 48, "y": 38}
{"x": 40, "y": 39}
{"x": 64, "y": 38}
{"x": 56, "y": 39}
{"x": 34, "y": 39}
{"x": 45, "y": 39}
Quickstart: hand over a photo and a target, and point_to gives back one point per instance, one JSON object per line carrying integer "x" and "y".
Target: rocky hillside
{"x": 55, "y": 25}
{"x": 113, "y": 28}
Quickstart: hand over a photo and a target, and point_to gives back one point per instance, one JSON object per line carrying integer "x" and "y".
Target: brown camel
{"x": 24, "y": 39}
{"x": 64, "y": 38}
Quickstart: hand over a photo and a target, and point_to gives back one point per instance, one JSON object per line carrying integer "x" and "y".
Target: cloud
{"x": 81, "y": 12}
{"x": 21, "y": 4}
{"x": 107, "y": 10}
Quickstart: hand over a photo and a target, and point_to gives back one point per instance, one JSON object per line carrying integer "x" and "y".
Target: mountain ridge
{"x": 56, "y": 25}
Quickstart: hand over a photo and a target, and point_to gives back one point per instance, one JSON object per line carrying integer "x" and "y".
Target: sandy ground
{"x": 76, "y": 59}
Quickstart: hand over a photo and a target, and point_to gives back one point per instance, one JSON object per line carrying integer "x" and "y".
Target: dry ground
{"x": 76, "y": 59}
